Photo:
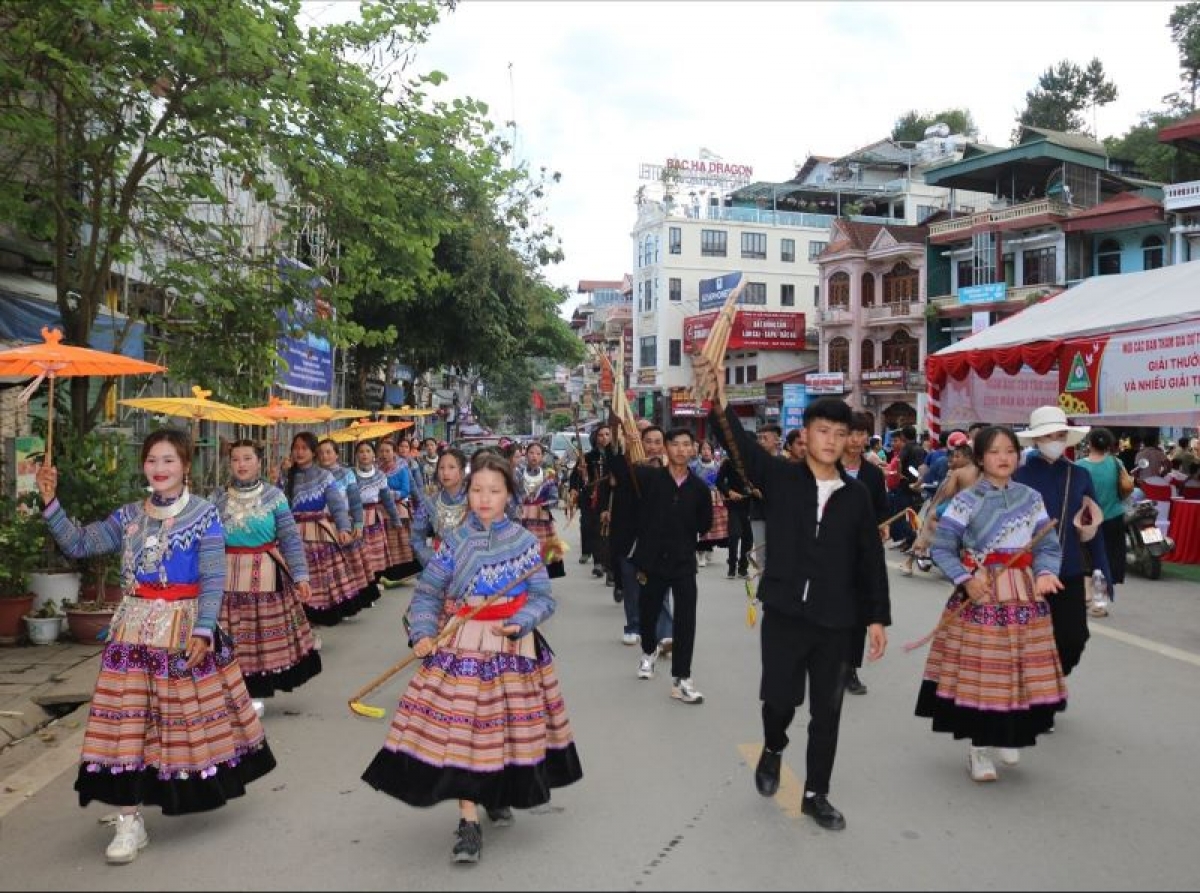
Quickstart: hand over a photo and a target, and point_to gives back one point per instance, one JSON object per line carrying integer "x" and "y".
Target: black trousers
{"x": 1068, "y": 613}
{"x": 795, "y": 653}
{"x": 741, "y": 537}
{"x": 683, "y": 591}
{"x": 589, "y": 531}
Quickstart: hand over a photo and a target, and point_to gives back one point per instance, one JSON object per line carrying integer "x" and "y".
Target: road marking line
{"x": 790, "y": 792}
{"x": 1148, "y": 644}
{"x": 32, "y": 777}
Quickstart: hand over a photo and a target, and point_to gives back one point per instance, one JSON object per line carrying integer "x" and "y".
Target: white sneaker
{"x": 259, "y": 708}
{"x": 702, "y": 559}
{"x": 981, "y": 765}
{"x": 683, "y": 690}
{"x": 665, "y": 646}
{"x": 130, "y": 838}
{"x": 1098, "y": 608}
{"x": 646, "y": 665}
{"x": 630, "y": 639}
{"x": 1009, "y": 756}
{"x": 317, "y": 643}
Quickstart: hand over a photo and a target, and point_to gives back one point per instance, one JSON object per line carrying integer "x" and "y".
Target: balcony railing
{"x": 835, "y": 315}
{"x": 1036, "y": 208}
{"x": 895, "y": 310}
{"x": 1181, "y": 196}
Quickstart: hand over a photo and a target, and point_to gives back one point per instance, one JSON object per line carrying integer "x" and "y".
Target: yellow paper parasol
{"x": 367, "y": 431}
{"x": 197, "y": 407}
{"x": 278, "y": 410}
{"x": 329, "y": 414}
{"x": 52, "y": 359}
{"x": 406, "y": 412}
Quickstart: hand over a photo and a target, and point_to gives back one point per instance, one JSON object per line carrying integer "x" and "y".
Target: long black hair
{"x": 310, "y": 440}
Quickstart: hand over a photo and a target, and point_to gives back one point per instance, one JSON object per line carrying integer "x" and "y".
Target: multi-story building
{"x": 872, "y": 319}
{"x": 1061, "y": 211}
{"x": 774, "y": 233}
{"x": 1181, "y": 200}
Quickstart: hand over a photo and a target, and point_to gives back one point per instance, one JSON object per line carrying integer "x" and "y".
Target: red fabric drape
{"x": 1039, "y": 356}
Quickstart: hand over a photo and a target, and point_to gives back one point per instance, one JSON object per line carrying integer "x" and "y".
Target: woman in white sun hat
{"x": 1054, "y": 476}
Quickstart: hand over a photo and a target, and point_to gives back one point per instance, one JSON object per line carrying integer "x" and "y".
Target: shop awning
{"x": 27, "y": 304}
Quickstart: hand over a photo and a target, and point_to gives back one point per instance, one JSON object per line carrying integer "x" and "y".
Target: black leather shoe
{"x": 597, "y": 572}
{"x": 854, "y": 685}
{"x": 585, "y": 558}
{"x": 766, "y": 773}
{"x": 823, "y": 813}
{"x": 618, "y": 594}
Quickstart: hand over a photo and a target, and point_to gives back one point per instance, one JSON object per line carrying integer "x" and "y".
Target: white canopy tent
{"x": 1121, "y": 349}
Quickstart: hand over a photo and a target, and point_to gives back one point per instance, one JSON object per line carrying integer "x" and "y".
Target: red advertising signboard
{"x": 752, "y": 330}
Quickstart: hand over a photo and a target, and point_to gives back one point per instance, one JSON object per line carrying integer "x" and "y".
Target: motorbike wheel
{"x": 1154, "y": 567}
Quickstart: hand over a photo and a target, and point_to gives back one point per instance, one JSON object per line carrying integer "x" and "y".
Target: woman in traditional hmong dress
{"x": 266, "y": 580}
{"x": 170, "y": 723}
{"x": 483, "y": 721}
{"x": 397, "y": 467}
{"x": 319, "y": 507}
{"x": 537, "y": 491}
{"x": 706, "y": 467}
{"x": 327, "y": 458}
{"x": 425, "y": 478}
{"x": 378, "y": 508}
{"x": 993, "y": 674}
{"x": 443, "y": 508}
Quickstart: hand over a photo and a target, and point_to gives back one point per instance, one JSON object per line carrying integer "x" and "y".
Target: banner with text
{"x": 1147, "y": 372}
{"x": 751, "y": 330}
{"x": 998, "y": 400}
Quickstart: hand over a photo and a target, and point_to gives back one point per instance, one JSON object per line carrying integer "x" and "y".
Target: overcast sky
{"x": 596, "y": 88}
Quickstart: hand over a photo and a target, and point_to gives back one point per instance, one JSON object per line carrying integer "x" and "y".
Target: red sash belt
{"x": 499, "y": 611}
{"x": 172, "y": 592}
{"x": 249, "y": 550}
{"x": 308, "y": 516}
{"x": 994, "y": 559}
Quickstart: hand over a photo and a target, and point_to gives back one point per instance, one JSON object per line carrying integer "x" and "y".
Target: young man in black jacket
{"x": 855, "y": 464}
{"x": 738, "y": 499}
{"x": 673, "y": 508}
{"x": 823, "y": 578}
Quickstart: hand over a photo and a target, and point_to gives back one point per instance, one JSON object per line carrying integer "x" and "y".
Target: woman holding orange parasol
{"x": 171, "y": 723}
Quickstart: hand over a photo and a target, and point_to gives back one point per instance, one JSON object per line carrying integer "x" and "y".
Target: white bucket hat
{"x": 1046, "y": 420}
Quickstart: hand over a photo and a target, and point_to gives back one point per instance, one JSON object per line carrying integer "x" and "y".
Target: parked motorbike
{"x": 1146, "y": 544}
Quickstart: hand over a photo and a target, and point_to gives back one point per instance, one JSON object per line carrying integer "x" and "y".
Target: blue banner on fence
{"x": 714, "y": 292}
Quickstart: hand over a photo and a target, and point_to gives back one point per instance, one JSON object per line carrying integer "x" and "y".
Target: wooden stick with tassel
{"x": 951, "y": 614}
{"x": 451, "y": 628}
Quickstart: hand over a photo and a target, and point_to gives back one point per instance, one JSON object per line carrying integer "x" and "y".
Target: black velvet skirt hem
{"x": 175, "y": 796}
{"x": 521, "y": 787}
{"x": 264, "y": 685}
{"x": 985, "y": 728}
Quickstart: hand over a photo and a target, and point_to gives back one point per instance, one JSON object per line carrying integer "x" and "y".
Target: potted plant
{"x": 45, "y": 624}
{"x": 88, "y": 621}
{"x": 21, "y": 541}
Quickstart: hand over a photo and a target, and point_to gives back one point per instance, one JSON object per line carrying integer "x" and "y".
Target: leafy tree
{"x": 1154, "y": 160}
{"x": 119, "y": 114}
{"x": 1185, "y": 31}
{"x": 912, "y": 124}
{"x": 1063, "y": 92}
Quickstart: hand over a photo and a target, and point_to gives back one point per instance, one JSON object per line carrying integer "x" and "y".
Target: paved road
{"x": 667, "y": 801}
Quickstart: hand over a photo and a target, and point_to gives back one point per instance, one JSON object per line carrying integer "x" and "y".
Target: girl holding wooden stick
{"x": 993, "y": 674}
{"x": 483, "y": 720}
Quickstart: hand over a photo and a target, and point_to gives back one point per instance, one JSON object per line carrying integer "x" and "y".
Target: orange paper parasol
{"x": 52, "y": 359}
{"x": 367, "y": 431}
{"x": 406, "y": 412}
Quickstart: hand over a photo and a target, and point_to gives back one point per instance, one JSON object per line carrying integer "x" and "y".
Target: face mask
{"x": 1052, "y": 449}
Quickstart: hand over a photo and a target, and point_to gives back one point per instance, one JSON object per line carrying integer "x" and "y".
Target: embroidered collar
{"x": 160, "y": 510}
